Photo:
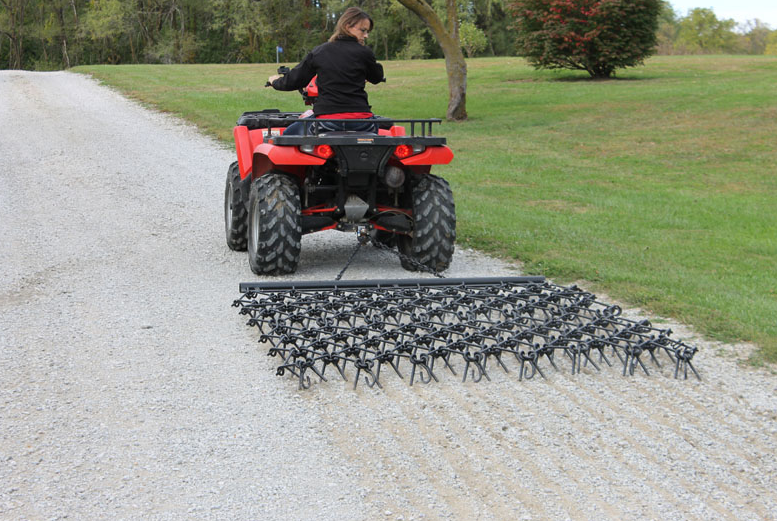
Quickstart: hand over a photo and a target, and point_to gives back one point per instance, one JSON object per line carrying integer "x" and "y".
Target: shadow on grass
{"x": 577, "y": 78}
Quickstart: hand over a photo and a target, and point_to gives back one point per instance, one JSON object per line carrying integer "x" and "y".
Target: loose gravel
{"x": 131, "y": 389}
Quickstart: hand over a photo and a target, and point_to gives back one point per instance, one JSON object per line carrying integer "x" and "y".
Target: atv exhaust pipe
{"x": 394, "y": 177}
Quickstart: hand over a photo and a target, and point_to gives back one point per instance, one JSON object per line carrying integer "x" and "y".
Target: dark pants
{"x": 298, "y": 127}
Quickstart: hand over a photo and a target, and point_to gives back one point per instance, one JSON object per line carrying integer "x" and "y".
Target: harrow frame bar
{"x": 385, "y": 283}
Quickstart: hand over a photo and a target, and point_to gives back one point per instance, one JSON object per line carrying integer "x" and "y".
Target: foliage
{"x": 64, "y": 33}
{"x": 666, "y": 34}
{"x": 414, "y": 48}
{"x": 771, "y": 44}
{"x": 754, "y": 35}
{"x": 597, "y": 36}
{"x": 473, "y": 40}
{"x": 702, "y": 32}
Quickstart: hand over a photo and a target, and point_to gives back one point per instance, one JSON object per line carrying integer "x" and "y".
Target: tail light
{"x": 405, "y": 151}
{"x": 324, "y": 151}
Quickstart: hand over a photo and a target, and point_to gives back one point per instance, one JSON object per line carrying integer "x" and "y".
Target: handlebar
{"x": 283, "y": 71}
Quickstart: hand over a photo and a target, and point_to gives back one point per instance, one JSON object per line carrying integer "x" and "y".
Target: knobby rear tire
{"x": 235, "y": 211}
{"x": 434, "y": 228}
{"x": 274, "y": 227}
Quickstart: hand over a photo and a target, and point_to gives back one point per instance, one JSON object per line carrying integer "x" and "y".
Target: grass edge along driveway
{"x": 657, "y": 187}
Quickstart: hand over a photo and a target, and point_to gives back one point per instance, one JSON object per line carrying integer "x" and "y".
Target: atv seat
{"x": 267, "y": 118}
{"x": 346, "y": 133}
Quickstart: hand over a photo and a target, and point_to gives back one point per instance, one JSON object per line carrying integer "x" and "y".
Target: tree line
{"x": 52, "y": 34}
{"x": 55, "y": 34}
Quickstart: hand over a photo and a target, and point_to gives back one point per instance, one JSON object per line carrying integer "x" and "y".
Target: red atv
{"x": 375, "y": 183}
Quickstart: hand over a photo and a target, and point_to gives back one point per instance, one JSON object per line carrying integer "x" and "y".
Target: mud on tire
{"x": 274, "y": 229}
{"x": 434, "y": 232}
{"x": 235, "y": 211}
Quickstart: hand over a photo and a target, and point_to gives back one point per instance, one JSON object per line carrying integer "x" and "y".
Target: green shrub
{"x": 597, "y": 36}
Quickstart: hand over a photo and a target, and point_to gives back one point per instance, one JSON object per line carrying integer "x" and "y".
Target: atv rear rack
{"x": 424, "y": 125}
{"x": 271, "y": 118}
{"x": 356, "y": 138}
{"x": 367, "y": 324}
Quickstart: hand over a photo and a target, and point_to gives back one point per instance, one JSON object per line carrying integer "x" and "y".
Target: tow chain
{"x": 363, "y": 237}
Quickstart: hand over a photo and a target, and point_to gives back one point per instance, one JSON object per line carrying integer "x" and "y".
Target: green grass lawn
{"x": 659, "y": 187}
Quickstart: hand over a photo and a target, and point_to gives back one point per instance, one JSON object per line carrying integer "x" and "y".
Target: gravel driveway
{"x": 131, "y": 389}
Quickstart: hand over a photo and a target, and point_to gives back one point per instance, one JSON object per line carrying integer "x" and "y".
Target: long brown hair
{"x": 349, "y": 18}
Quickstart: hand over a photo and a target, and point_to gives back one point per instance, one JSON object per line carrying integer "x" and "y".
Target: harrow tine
{"x": 421, "y": 361}
{"x": 475, "y": 359}
{"x": 528, "y": 377}
{"x": 550, "y": 358}
{"x": 602, "y": 356}
{"x": 498, "y": 356}
{"x": 366, "y": 366}
{"x": 312, "y": 325}
{"x": 653, "y": 357}
{"x": 689, "y": 364}
{"x": 586, "y": 353}
{"x": 446, "y": 359}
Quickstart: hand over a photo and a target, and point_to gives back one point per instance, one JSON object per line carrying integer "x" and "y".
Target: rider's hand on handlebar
{"x": 273, "y": 78}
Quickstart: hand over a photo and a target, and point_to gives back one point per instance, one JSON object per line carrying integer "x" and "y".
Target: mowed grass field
{"x": 658, "y": 187}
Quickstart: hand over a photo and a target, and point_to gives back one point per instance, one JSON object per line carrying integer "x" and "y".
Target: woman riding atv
{"x": 343, "y": 66}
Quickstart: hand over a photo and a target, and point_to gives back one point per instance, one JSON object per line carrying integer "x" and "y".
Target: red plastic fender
{"x": 287, "y": 155}
{"x": 395, "y": 130}
{"x": 245, "y": 143}
{"x": 438, "y": 155}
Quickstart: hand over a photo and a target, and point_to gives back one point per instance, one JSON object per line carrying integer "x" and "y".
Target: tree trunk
{"x": 16, "y": 34}
{"x": 63, "y": 35}
{"x": 455, "y": 64}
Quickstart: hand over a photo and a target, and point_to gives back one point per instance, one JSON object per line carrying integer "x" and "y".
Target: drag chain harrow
{"x": 441, "y": 324}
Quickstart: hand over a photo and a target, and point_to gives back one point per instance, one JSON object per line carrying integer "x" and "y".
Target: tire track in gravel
{"x": 640, "y": 432}
{"x": 533, "y": 442}
{"x": 676, "y": 433}
{"x": 552, "y": 403}
{"x": 723, "y": 420}
{"x": 525, "y": 451}
{"x": 471, "y": 415}
{"x": 467, "y": 440}
{"x": 415, "y": 432}
{"x": 638, "y": 440}
{"x": 395, "y": 450}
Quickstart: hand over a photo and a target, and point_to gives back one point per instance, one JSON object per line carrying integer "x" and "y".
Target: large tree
{"x": 754, "y": 36}
{"x": 702, "y": 32}
{"x": 12, "y": 23}
{"x": 597, "y": 36}
{"x": 447, "y": 36}
{"x": 771, "y": 44}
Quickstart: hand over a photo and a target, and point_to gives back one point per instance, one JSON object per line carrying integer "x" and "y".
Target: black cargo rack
{"x": 420, "y": 134}
{"x": 270, "y": 118}
{"x": 267, "y": 118}
{"x": 356, "y": 138}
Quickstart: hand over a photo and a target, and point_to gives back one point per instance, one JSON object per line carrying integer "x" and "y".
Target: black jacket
{"x": 342, "y": 67}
